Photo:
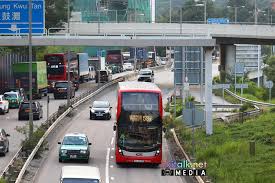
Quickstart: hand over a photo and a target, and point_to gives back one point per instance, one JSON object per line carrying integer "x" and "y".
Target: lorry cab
{"x": 103, "y": 76}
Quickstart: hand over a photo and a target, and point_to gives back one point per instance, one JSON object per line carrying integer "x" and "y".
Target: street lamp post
{"x": 236, "y": 12}
{"x": 68, "y": 15}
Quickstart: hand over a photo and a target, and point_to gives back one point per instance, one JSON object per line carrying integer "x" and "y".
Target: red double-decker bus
{"x": 139, "y": 123}
{"x": 57, "y": 68}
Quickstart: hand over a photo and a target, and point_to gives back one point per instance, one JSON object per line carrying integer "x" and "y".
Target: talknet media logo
{"x": 184, "y": 168}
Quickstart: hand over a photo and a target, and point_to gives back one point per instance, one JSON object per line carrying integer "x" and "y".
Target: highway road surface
{"x": 101, "y": 135}
{"x": 10, "y": 121}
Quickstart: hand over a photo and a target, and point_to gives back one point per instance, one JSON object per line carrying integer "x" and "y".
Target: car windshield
{"x": 61, "y": 85}
{"x": 10, "y": 95}
{"x": 74, "y": 140}
{"x": 145, "y": 72}
{"x": 79, "y": 180}
{"x": 100, "y": 104}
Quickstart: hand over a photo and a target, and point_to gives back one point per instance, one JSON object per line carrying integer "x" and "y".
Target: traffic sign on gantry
{"x": 14, "y": 17}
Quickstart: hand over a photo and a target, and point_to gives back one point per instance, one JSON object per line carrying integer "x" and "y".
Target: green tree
{"x": 270, "y": 70}
{"x": 56, "y": 13}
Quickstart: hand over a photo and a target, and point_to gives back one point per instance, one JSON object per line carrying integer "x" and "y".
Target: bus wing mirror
{"x": 114, "y": 127}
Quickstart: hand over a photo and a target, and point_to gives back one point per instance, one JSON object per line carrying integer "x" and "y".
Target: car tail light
{"x": 157, "y": 152}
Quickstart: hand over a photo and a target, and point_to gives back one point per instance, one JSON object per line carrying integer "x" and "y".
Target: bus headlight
{"x": 157, "y": 152}
{"x": 120, "y": 151}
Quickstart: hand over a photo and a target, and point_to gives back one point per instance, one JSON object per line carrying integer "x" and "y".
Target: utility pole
{"x": 205, "y": 11}
{"x": 170, "y": 11}
{"x": 236, "y": 14}
{"x": 30, "y": 71}
{"x": 256, "y": 13}
{"x": 69, "y": 79}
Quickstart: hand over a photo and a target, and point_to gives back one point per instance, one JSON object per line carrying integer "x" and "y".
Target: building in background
{"x": 115, "y": 10}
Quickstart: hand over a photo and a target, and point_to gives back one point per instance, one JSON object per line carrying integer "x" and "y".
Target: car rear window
{"x": 26, "y": 105}
{"x": 103, "y": 73}
{"x": 79, "y": 180}
{"x": 61, "y": 85}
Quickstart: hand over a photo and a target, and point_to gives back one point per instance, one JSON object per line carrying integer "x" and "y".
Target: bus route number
{"x": 140, "y": 118}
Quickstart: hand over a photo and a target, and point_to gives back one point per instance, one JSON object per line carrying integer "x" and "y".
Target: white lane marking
{"x": 114, "y": 133}
{"x": 112, "y": 141}
{"x": 107, "y": 166}
{"x": 111, "y": 166}
{"x": 113, "y": 148}
{"x": 112, "y": 157}
{"x": 112, "y": 178}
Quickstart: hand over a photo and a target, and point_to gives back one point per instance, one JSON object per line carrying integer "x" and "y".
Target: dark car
{"x": 74, "y": 147}
{"x": 24, "y": 110}
{"x": 103, "y": 76}
{"x": 100, "y": 109}
{"x": 4, "y": 142}
{"x": 61, "y": 89}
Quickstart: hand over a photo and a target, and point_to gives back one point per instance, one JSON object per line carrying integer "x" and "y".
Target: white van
{"x": 80, "y": 174}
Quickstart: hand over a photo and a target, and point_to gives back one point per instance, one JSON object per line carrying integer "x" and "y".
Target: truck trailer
{"x": 83, "y": 69}
{"x": 39, "y": 78}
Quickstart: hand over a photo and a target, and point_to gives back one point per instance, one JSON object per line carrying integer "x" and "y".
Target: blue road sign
{"x": 14, "y": 16}
{"x": 217, "y": 20}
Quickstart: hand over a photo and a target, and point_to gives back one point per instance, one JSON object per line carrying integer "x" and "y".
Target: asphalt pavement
{"x": 101, "y": 135}
{"x": 9, "y": 121}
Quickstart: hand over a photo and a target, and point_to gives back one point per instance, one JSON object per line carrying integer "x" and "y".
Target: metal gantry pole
{"x": 30, "y": 71}
{"x": 48, "y": 112}
{"x": 201, "y": 73}
{"x": 258, "y": 80}
{"x": 69, "y": 79}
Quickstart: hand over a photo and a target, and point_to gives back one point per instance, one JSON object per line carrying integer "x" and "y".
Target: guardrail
{"x": 74, "y": 103}
{"x": 247, "y": 100}
{"x": 53, "y": 121}
{"x": 198, "y": 178}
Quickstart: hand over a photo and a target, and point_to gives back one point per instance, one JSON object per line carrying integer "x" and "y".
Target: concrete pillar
{"x": 208, "y": 90}
{"x": 228, "y": 58}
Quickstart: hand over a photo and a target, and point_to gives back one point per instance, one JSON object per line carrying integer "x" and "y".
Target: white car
{"x": 83, "y": 174}
{"x": 4, "y": 105}
{"x": 128, "y": 67}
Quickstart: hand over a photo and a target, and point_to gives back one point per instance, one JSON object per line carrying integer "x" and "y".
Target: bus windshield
{"x": 139, "y": 101}
{"x": 134, "y": 137}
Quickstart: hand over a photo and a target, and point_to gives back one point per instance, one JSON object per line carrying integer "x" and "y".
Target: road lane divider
{"x": 107, "y": 166}
{"x": 54, "y": 120}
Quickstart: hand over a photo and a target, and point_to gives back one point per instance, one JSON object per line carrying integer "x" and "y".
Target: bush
{"x": 3, "y": 181}
{"x": 245, "y": 107}
{"x": 272, "y": 109}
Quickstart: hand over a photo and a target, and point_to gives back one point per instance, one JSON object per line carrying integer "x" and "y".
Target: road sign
{"x": 217, "y": 20}
{"x": 269, "y": 84}
{"x": 241, "y": 85}
{"x": 193, "y": 117}
{"x": 221, "y": 86}
{"x": 239, "y": 68}
{"x": 14, "y": 17}
{"x": 186, "y": 86}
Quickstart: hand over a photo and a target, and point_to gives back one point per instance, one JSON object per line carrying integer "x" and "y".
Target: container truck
{"x": 114, "y": 60}
{"x": 39, "y": 78}
{"x": 83, "y": 69}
